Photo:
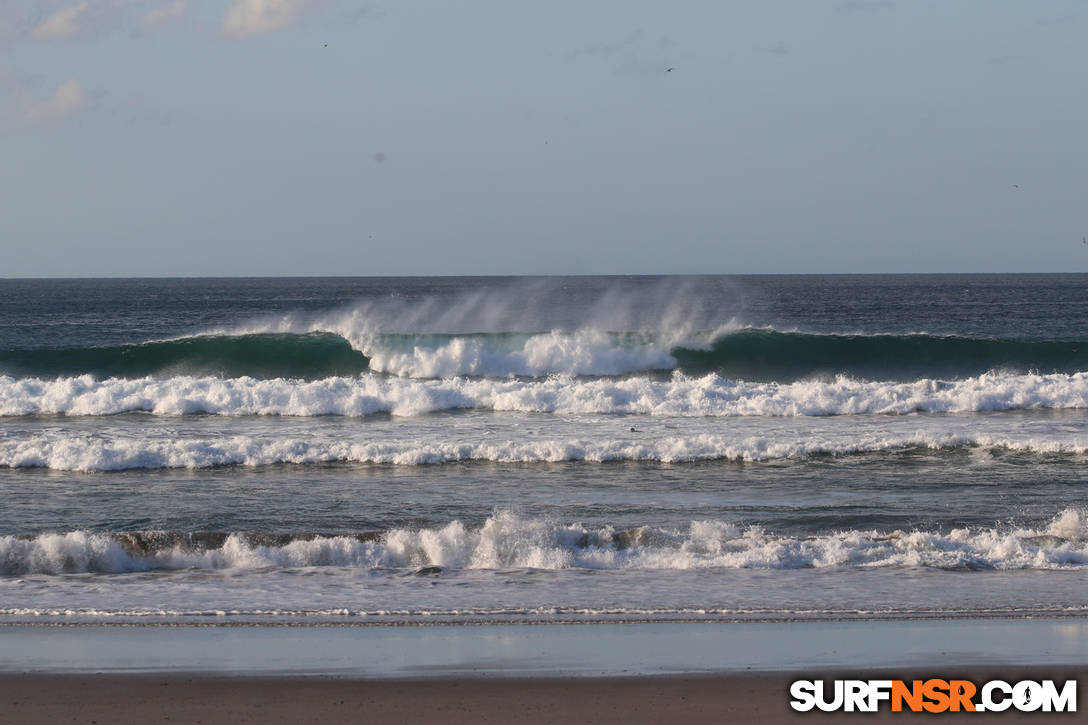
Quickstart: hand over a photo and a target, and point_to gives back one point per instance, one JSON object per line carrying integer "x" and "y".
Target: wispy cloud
{"x": 69, "y": 98}
{"x": 66, "y": 20}
{"x": 65, "y": 23}
{"x": 1059, "y": 20}
{"x": 628, "y": 43}
{"x": 62, "y": 21}
{"x": 632, "y": 54}
{"x": 777, "y": 49}
{"x": 256, "y": 17}
{"x": 855, "y": 6}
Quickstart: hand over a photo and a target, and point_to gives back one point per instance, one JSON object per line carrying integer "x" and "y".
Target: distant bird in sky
{"x": 326, "y": 45}
{"x": 668, "y": 70}
{"x": 1084, "y": 240}
{"x": 1015, "y": 186}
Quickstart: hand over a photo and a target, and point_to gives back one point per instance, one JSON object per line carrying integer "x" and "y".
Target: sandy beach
{"x": 623, "y": 673}
{"x": 734, "y": 698}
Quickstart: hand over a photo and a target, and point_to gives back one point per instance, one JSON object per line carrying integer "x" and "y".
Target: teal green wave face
{"x": 312, "y": 356}
{"x": 768, "y": 355}
{"x": 749, "y": 355}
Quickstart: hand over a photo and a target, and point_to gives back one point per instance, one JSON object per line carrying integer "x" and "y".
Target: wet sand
{"x": 541, "y": 651}
{"x": 606, "y": 673}
{"x": 29, "y": 699}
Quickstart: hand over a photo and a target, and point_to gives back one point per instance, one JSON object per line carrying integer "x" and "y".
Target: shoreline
{"x": 557, "y": 650}
{"x": 228, "y": 620}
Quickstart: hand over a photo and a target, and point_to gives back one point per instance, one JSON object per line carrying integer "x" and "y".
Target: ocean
{"x": 527, "y": 450}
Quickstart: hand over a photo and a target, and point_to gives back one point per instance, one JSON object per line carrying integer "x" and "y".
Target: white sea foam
{"x": 90, "y": 453}
{"x": 369, "y": 394}
{"x": 509, "y": 541}
{"x": 584, "y": 352}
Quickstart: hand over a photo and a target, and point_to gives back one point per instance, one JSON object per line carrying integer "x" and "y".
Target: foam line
{"x": 507, "y": 540}
{"x": 708, "y": 395}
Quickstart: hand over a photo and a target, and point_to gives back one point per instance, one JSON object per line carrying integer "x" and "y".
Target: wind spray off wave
{"x": 753, "y": 355}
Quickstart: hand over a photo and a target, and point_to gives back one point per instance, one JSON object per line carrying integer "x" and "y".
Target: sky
{"x": 338, "y": 137}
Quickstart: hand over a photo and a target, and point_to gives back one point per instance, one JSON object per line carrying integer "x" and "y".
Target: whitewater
{"x": 709, "y": 396}
{"x": 506, "y": 540}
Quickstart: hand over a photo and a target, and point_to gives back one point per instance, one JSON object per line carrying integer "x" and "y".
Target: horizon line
{"x": 536, "y": 276}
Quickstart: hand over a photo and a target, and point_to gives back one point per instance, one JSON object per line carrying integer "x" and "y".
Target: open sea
{"x": 509, "y": 450}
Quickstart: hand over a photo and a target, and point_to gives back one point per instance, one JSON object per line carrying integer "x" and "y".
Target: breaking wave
{"x": 754, "y": 355}
{"x": 506, "y": 541}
